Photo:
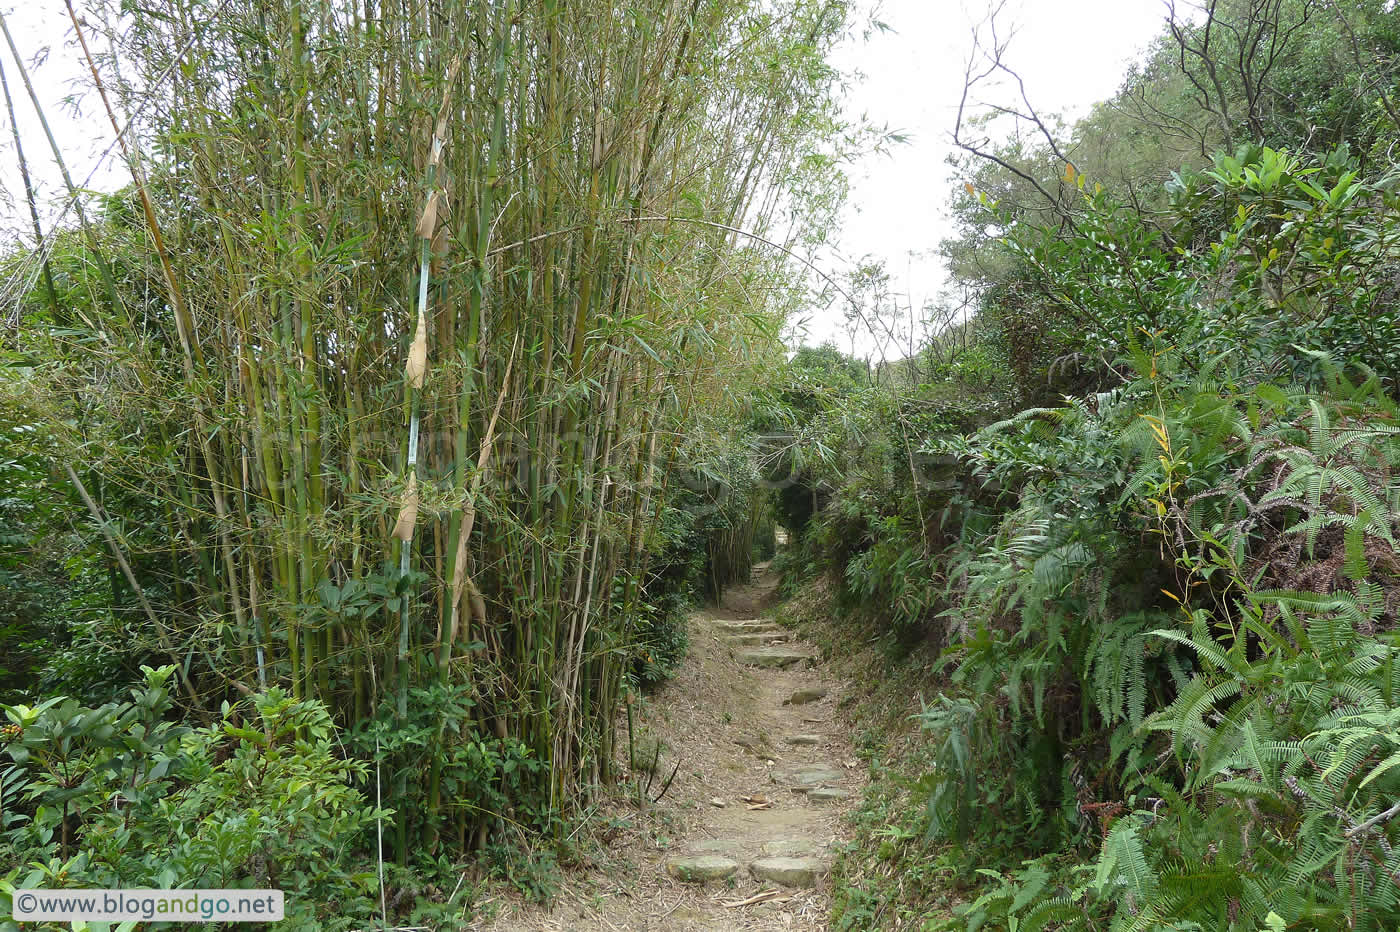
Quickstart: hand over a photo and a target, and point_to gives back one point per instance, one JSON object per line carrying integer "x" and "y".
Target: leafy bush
{"x": 1166, "y": 603}
{"x": 117, "y": 796}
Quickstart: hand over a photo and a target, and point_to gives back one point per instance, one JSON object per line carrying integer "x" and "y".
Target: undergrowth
{"x": 1135, "y": 652}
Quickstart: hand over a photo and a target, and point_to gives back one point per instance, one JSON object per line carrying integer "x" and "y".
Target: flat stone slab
{"x": 789, "y": 848}
{"x": 805, "y": 695}
{"x": 803, "y": 740}
{"x": 701, "y": 868}
{"x": 756, "y": 624}
{"x": 773, "y": 658}
{"x": 754, "y": 744}
{"x": 790, "y": 872}
{"x": 828, "y": 794}
{"x": 754, "y": 640}
{"x": 807, "y": 776}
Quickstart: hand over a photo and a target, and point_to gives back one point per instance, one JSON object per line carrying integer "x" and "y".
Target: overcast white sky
{"x": 1070, "y": 53}
{"x": 40, "y": 29}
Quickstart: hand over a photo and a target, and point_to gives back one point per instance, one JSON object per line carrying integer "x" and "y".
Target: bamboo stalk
{"x": 162, "y": 633}
{"x": 39, "y": 244}
{"x": 574, "y": 249}
{"x": 98, "y": 255}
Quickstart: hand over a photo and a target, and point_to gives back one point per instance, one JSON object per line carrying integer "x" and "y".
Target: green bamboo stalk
{"x": 415, "y": 371}
{"x": 49, "y": 290}
{"x": 98, "y": 255}
{"x": 192, "y": 354}
{"x": 582, "y": 139}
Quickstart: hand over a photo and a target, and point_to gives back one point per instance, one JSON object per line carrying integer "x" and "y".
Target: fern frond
{"x": 1124, "y": 860}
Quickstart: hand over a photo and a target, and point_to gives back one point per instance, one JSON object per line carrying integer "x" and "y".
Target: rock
{"x": 803, "y": 739}
{"x": 754, "y": 744}
{"x": 773, "y": 658}
{"x": 757, "y": 639}
{"x": 745, "y": 627}
{"x": 717, "y": 802}
{"x": 701, "y": 868}
{"x": 807, "y": 776}
{"x": 805, "y": 695}
{"x": 790, "y": 872}
{"x": 789, "y": 848}
{"x": 828, "y": 794}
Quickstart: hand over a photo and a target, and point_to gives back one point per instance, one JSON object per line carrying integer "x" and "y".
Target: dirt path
{"x": 743, "y": 837}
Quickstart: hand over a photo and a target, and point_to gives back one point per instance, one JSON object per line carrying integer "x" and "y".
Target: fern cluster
{"x": 1167, "y": 608}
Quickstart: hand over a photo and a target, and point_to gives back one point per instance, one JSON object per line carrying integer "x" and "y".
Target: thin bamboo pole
{"x": 98, "y": 255}
{"x": 39, "y": 244}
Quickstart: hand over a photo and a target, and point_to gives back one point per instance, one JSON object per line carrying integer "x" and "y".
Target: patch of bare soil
{"x": 746, "y": 801}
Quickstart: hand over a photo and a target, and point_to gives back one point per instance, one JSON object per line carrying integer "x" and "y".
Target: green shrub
{"x": 1166, "y": 602}
{"x": 117, "y": 796}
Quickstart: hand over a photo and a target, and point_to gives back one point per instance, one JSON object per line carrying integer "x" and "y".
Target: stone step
{"x": 803, "y": 740}
{"x": 805, "y": 695}
{"x": 790, "y": 872}
{"x": 744, "y": 626}
{"x": 701, "y": 868}
{"x": 755, "y": 744}
{"x": 757, "y": 639}
{"x": 773, "y": 658}
{"x": 807, "y": 777}
{"x": 827, "y": 795}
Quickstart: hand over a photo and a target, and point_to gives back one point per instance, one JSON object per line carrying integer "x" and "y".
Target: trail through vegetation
{"x": 747, "y": 832}
{"x": 365, "y": 458}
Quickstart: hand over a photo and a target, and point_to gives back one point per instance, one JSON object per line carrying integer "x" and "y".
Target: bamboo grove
{"x": 414, "y": 309}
